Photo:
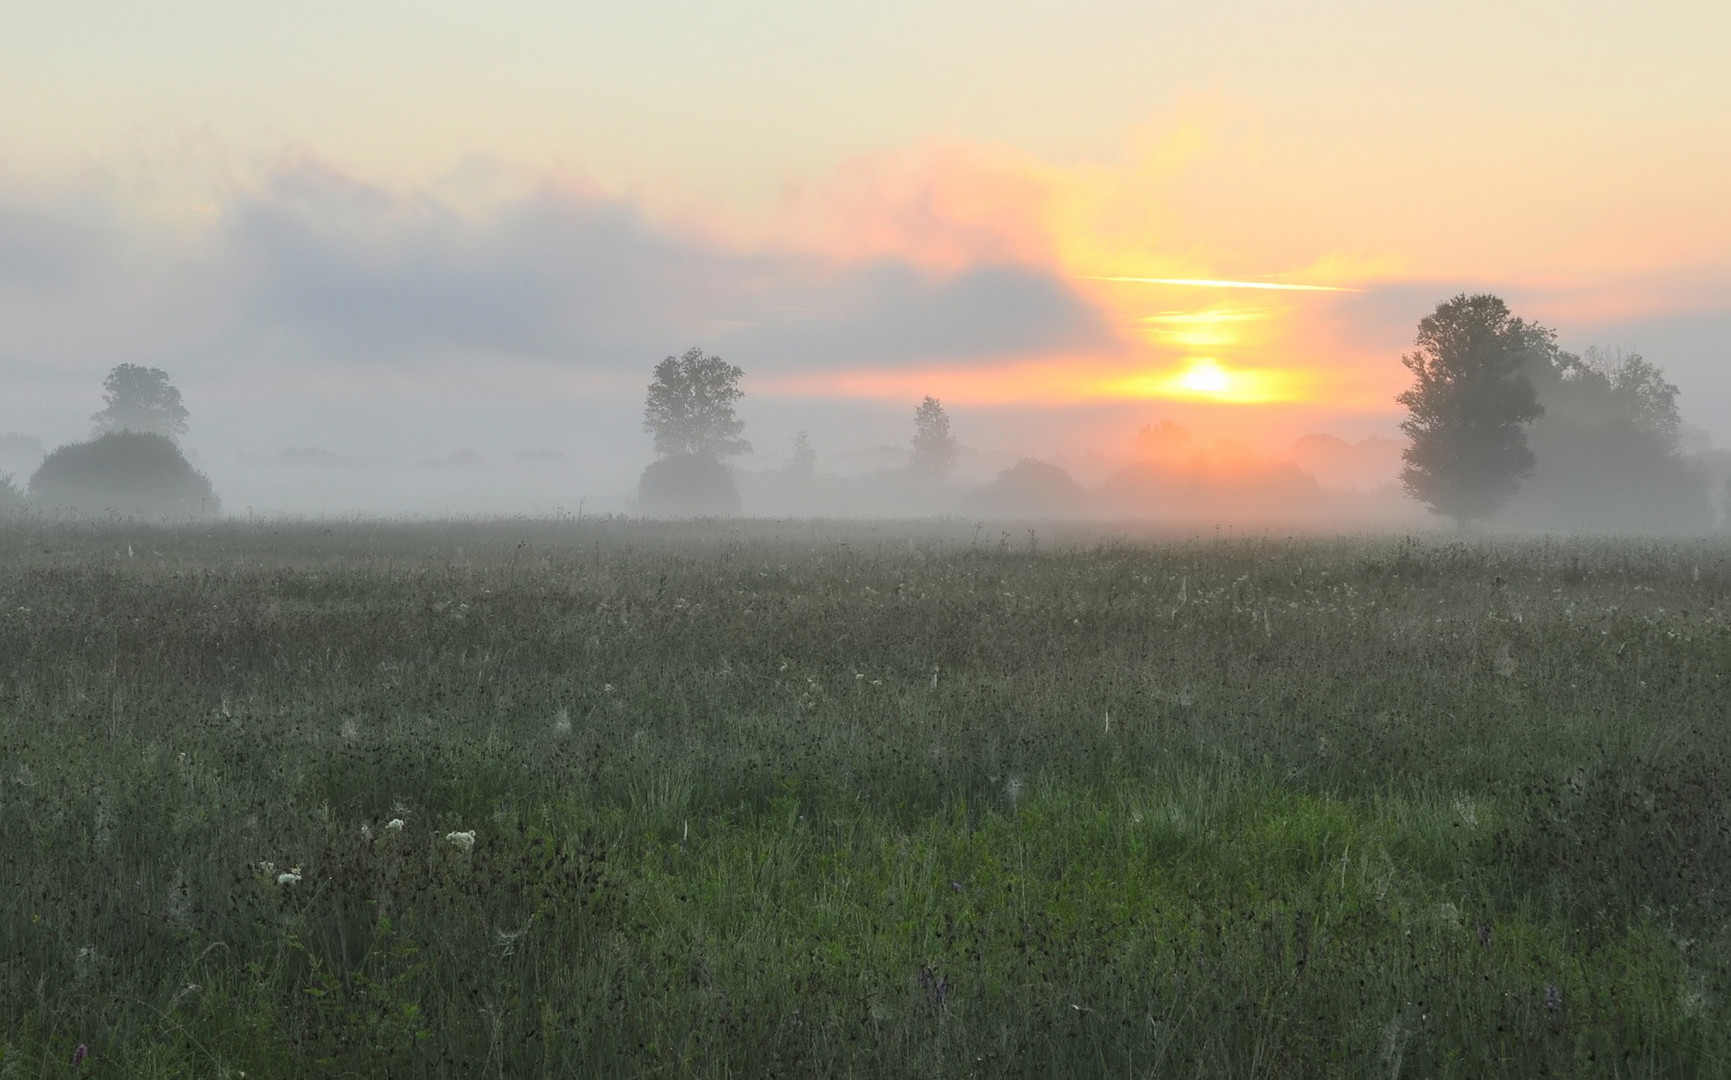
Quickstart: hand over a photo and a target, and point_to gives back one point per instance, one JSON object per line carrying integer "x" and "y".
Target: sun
{"x": 1204, "y": 378}
{"x": 1207, "y": 378}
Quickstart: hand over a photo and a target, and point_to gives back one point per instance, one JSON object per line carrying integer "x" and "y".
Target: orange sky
{"x": 1162, "y": 164}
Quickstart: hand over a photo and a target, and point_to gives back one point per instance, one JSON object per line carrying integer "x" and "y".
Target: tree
{"x": 140, "y": 399}
{"x": 935, "y": 450}
{"x": 804, "y": 459}
{"x": 1608, "y": 449}
{"x": 1634, "y": 387}
{"x": 689, "y": 408}
{"x": 1469, "y": 406}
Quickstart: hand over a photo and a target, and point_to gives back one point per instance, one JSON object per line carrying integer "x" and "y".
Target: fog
{"x": 347, "y": 349}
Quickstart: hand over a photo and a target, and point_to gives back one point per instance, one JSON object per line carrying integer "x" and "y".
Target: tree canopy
{"x": 1607, "y": 449}
{"x": 140, "y": 399}
{"x": 935, "y": 449}
{"x": 803, "y": 461}
{"x": 1469, "y": 405}
{"x": 689, "y": 408}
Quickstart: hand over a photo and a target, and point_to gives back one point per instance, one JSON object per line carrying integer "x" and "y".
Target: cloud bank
{"x": 320, "y": 267}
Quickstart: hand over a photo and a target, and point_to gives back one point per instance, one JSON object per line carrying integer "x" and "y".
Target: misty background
{"x": 343, "y": 348}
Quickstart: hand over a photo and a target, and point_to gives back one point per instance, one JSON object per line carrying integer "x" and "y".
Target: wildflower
{"x": 1485, "y": 935}
{"x": 366, "y": 831}
{"x": 1553, "y": 998}
{"x": 464, "y": 840}
{"x": 78, "y": 1055}
{"x": 394, "y": 825}
{"x": 292, "y": 877}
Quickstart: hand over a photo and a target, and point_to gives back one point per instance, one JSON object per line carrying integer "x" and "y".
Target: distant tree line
{"x": 689, "y": 410}
{"x": 1496, "y": 410}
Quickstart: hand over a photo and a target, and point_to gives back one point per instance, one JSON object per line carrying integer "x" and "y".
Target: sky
{"x": 405, "y": 229}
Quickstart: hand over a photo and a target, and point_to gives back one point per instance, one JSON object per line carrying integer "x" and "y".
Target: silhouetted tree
{"x": 689, "y": 408}
{"x": 1469, "y": 406}
{"x": 1608, "y": 449}
{"x": 140, "y": 399}
{"x": 804, "y": 459}
{"x": 123, "y": 472}
{"x": 1634, "y": 388}
{"x": 935, "y": 450}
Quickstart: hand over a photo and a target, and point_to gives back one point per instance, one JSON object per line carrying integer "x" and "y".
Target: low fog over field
{"x": 1591, "y": 442}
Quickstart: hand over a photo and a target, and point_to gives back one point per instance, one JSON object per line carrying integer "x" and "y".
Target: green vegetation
{"x": 810, "y": 799}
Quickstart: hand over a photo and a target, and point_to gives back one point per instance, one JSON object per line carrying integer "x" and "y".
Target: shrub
{"x": 11, "y": 499}
{"x": 688, "y": 484}
{"x": 1034, "y": 487}
{"x": 123, "y": 472}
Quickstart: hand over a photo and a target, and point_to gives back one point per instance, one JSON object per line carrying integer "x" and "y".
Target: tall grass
{"x": 813, "y": 799}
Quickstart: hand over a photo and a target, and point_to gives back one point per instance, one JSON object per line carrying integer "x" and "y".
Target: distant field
{"x": 789, "y": 799}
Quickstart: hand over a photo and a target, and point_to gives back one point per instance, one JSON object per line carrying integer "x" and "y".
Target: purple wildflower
{"x": 1485, "y": 935}
{"x": 1553, "y": 998}
{"x": 80, "y": 1054}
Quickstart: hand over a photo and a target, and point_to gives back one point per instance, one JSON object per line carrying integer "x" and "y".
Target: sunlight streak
{"x": 1212, "y": 283}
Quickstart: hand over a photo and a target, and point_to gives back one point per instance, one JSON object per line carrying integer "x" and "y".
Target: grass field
{"x": 786, "y": 799}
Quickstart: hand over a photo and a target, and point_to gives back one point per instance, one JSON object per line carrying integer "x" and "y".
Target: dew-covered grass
{"x": 762, "y": 798}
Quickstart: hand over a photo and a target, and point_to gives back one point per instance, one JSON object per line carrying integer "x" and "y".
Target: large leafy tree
{"x": 1608, "y": 449}
{"x": 935, "y": 449}
{"x": 689, "y": 408}
{"x": 1469, "y": 405}
{"x": 140, "y": 399}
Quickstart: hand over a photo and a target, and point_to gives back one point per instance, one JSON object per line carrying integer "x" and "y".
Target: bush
{"x": 1034, "y": 487}
{"x": 688, "y": 484}
{"x": 11, "y": 499}
{"x": 123, "y": 472}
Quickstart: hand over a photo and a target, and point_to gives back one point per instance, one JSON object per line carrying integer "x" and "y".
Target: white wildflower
{"x": 394, "y": 825}
{"x": 292, "y": 877}
{"x": 464, "y": 840}
{"x": 87, "y": 963}
{"x": 562, "y": 723}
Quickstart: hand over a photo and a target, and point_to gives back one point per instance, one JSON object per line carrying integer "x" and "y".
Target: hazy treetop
{"x": 689, "y": 407}
{"x": 140, "y": 399}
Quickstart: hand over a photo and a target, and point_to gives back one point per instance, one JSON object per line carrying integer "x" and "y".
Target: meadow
{"x": 749, "y": 799}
